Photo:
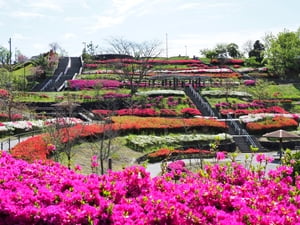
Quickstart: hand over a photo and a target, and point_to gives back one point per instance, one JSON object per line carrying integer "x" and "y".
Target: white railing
{"x": 68, "y": 66}
{"x": 74, "y": 77}
{"x": 46, "y": 85}
{"x": 58, "y": 77}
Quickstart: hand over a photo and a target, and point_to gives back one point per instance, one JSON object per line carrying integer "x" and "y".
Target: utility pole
{"x": 185, "y": 51}
{"x": 167, "y": 45}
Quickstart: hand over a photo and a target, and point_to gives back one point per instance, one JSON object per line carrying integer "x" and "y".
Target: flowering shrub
{"x": 115, "y": 95}
{"x": 167, "y": 112}
{"x": 151, "y": 61}
{"x": 224, "y": 93}
{"x": 261, "y": 116}
{"x": 102, "y": 112}
{"x": 136, "y": 112}
{"x": 166, "y": 152}
{"x": 249, "y": 82}
{"x": 15, "y": 116}
{"x": 238, "y": 112}
{"x": 35, "y": 148}
{"x": 228, "y": 61}
{"x": 253, "y": 104}
{"x": 161, "y": 93}
{"x": 4, "y": 93}
{"x": 187, "y": 112}
{"x": 90, "y": 66}
{"x": 48, "y": 193}
{"x": 82, "y": 84}
{"x": 146, "y": 142}
{"x": 270, "y": 124}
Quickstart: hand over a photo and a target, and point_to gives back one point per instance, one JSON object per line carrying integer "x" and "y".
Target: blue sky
{"x": 185, "y": 26}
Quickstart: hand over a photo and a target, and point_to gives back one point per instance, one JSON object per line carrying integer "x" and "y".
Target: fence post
{"x": 110, "y": 164}
{"x": 8, "y": 144}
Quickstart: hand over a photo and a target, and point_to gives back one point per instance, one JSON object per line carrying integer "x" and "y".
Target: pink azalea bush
{"x": 83, "y": 84}
{"x": 48, "y": 193}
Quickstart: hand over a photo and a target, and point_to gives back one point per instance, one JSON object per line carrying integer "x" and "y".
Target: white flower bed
{"x": 161, "y": 92}
{"x": 260, "y": 116}
{"x": 143, "y": 141}
{"x": 230, "y": 93}
{"x": 29, "y": 125}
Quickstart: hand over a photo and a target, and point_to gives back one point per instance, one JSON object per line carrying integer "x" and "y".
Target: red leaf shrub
{"x": 167, "y": 112}
{"x": 239, "y": 112}
{"x": 187, "y": 112}
{"x": 36, "y": 147}
{"x": 270, "y": 124}
{"x": 4, "y": 93}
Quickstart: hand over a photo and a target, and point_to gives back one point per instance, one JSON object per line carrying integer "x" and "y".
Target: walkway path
{"x": 155, "y": 168}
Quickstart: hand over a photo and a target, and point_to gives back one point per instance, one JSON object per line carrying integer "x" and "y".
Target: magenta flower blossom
{"x": 48, "y": 193}
{"x": 51, "y": 147}
{"x": 77, "y": 167}
{"x": 94, "y": 162}
{"x": 260, "y": 157}
{"x": 221, "y": 155}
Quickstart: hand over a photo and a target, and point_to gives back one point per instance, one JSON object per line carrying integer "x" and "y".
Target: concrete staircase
{"x": 68, "y": 68}
{"x": 241, "y": 137}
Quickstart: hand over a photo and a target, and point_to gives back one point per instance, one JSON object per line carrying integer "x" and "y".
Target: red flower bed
{"x": 35, "y": 148}
{"x": 228, "y": 61}
{"x": 239, "y": 112}
{"x": 151, "y": 61}
{"x": 136, "y": 112}
{"x": 102, "y": 112}
{"x": 190, "y": 112}
{"x": 164, "y": 152}
{"x": 167, "y": 112}
{"x": 277, "y": 122}
{"x": 4, "y": 93}
{"x": 14, "y": 117}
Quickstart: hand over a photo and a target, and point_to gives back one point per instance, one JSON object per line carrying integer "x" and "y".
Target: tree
{"x": 209, "y": 53}
{"x": 20, "y": 58}
{"x": 139, "y": 53}
{"x": 56, "y": 48}
{"x": 233, "y": 50}
{"x": 247, "y": 47}
{"x": 283, "y": 54}
{"x": 45, "y": 64}
{"x": 261, "y": 90}
{"x": 5, "y": 78}
{"x": 222, "y": 51}
{"x": 4, "y": 56}
{"x": 9, "y": 105}
{"x": 257, "y": 52}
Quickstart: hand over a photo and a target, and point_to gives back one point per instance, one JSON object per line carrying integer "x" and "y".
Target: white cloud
{"x": 39, "y": 47}
{"x": 117, "y": 14}
{"x": 45, "y": 5}
{"x": 84, "y": 4}
{"x": 105, "y": 22}
{"x": 123, "y": 6}
{"x": 2, "y": 3}
{"x": 205, "y": 5}
{"x": 24, "y": 14}
{"x": 69, "y": 36}
{"x": 18, "y": 36}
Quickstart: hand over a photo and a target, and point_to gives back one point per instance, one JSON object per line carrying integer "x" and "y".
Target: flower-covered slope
{"x": 51, "y": 194}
